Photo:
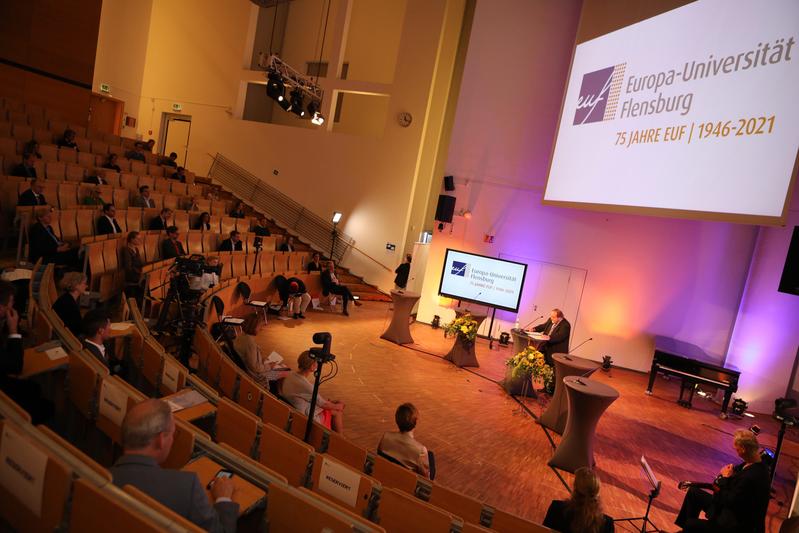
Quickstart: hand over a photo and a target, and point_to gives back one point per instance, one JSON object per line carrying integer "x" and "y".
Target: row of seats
{"x": 73, "y": 225}
{"x": 78, "y": 493}
{"x": 70, "y": 195}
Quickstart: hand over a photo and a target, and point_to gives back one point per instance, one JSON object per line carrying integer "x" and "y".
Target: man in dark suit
{"x": 148, "y": 431}
{"x": 26, "y": 168}
{"x": 144, "y": 200}
{"x": 107, "y": 224}
{"x": 172, "y": 247}
{"x": 97, "y": 327}
{"x": 233, "y": 244}
{"x": 33, "y": 196}
{"x": 558, "y": 330}
{"x": 261, "y": 228}
{"x": 44, "y": 243}
{"x": 161, "y": 222}
{"x": 288, "y": 244}
{"x": 24, "y": 392}
{"x": 330, "y": 285}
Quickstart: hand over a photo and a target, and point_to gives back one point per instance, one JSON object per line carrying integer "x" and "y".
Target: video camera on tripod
{"x": 321, "y": 356}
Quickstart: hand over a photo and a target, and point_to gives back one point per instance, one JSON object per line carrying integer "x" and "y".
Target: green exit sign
{"x": 105, "y": 88}
{"x": 177, "y": 108}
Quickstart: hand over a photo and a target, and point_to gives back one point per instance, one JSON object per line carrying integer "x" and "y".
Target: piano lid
{"x": 687, "y": 350}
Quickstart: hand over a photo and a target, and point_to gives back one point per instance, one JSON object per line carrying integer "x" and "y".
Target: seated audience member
{"x": 131, "y": 263}
{"x": 68, "y": 140}
{"x": 330, "y": 285}
{"x": 67, "y": 306}
{"x": 145, "y": 146}
{"x": 170, "y": 161}
{"x": 288, "y": 244}
{"x": 298, "y": 297}
{"x": 315, "y": 264}
{"x": 31, "y": 148}
{"x": 143, "y": 199}
{"x": 402, "y": 271}
{"x": 161, "y": 222}
{"x": 261, "y": 370}
{"x": 97, "y": 328}
{"x": 112, "y": 163}
{"x": 582, "y": 513}
{"x": 233, "y": 244}
{"x": 740, "y": 497}
{"x": 43, "y": 242}
{"x": 148, "y": 431}
{"x": 24, "y": 392}
{"x": 238, "y": 210}
{"x": 208, "y": 279}
{"x": 402, "y": 446}
{"x": 137, "y": 154}
{"x": 297, "y": 390}
{"x": 204, "y": 222}
{"x": 192, "y": 204}
{"x": 179, "y": 174}
{"x": 261, "y": 227}
{"x": 172, "y": 247}
{"x": 93, "y": 198}
{"x": 34, "y": 195}
{"x": 97, "y": 179}
{"x": 26, "y": 169}
{"x": 107, "y": 224}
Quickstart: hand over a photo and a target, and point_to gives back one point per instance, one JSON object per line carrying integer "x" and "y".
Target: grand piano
{"x": 694, "y": 367}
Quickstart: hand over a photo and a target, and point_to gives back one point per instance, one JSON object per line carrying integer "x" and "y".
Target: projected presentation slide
{"x": 694, "y": 110}
{"x": 484, "y": 280}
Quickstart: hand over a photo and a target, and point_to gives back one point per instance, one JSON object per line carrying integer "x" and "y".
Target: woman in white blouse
{"x": 264, "y": 372}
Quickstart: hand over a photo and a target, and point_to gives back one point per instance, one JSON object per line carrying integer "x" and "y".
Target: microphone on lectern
{"x": 533, "y": 321}
{"x": 586, "y": 340}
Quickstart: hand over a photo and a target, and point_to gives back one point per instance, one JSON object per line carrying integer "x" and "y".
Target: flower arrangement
{"x": 531, "y": 363}
{"x": 463, "y": 326}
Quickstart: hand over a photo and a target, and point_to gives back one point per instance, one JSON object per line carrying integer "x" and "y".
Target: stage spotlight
{"x": 336, "y": 217}
{"x": 296, "y": 103}
{"x": 313, "y": 112}
{"x": 285, "y": 104}
{"x": 317, "y": 119}
{"x": 275, "y": 87}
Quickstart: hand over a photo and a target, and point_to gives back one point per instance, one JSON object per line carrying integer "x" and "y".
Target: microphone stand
{"x": 533, "y": 321}
{"x": 585, "y": 341}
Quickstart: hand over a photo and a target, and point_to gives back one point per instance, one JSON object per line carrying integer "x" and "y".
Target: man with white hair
{"x": 148, "y": 431}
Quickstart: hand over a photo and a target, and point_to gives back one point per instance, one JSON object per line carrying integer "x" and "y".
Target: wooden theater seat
{"x": 236, "y": 427}
{"x": 285, "y": 454}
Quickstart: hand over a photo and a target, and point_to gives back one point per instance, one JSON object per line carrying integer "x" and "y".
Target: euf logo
{"x": 599, "y": 95}
{"x": 459, "y": 268}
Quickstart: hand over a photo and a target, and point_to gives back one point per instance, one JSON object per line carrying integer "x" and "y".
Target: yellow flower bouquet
{"x": 531, "y": 363}
{"x": 464, "y": 327}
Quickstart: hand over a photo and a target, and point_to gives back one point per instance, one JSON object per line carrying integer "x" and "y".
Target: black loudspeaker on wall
{"x": 449, "y": 183}
{"x": 790, "y": 274}
{"x": 445, "y": 208}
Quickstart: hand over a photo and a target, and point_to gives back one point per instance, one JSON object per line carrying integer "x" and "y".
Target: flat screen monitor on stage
{"x": 691, "y": 113}
{"x": 483, "y": 280}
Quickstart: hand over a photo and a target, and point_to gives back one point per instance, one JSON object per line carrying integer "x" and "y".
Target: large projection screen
{"x": 484, "y": 280}
{"x": 691, "y": 113}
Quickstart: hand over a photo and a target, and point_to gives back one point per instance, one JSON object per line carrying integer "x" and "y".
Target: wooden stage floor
{"x": 488, "y": 449}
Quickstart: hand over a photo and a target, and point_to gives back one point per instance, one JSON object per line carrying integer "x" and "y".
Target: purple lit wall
{"x": 766, "y": 335}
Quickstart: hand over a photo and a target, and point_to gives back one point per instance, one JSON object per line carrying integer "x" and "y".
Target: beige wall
{"x": 121, "y": 51}
{"x": 196, "y": 56}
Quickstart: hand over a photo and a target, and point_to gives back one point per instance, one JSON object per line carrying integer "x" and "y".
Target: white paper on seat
{"x": 185, "y": 399}
{"x": 339, "y": 482}
{"x": 22, "y": 469}
{"x": 56, "y": 353}
{"x": 120, "y": 326}
{"x": 275, "y": 357}
{"x": 113, "y": 402}
{"x": 257, "y": 303}
{"x": 232, "y": 320}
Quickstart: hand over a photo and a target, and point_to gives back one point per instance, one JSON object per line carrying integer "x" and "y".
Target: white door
{"x": 175, "y": 137}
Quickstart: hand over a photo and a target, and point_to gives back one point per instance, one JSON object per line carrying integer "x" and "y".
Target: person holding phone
{"x": 148, "y": 431}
